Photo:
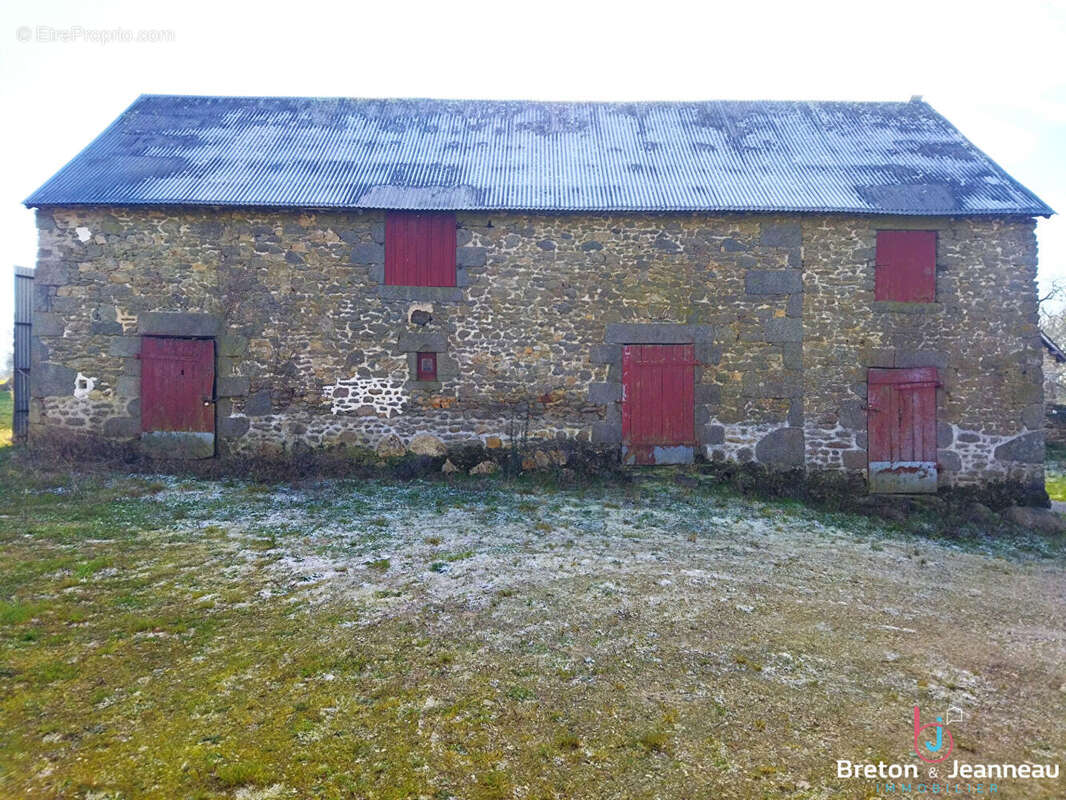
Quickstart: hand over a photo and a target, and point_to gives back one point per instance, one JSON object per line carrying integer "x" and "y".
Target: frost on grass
{"x": 485, "y": 640}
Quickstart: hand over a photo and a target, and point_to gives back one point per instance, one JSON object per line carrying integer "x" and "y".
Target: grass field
{"x": 7, "y": 406}
{"x": 167, "y": 637}
{"x": 1055, "y": 472}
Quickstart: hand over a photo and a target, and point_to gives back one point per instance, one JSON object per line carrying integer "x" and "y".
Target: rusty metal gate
{"x": 23, "y": 328}
{"x": 658, "y": 404}
{"x": 902, "y": 430}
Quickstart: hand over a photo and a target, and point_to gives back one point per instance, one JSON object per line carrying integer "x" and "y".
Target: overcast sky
{"x": 995, "y": 70}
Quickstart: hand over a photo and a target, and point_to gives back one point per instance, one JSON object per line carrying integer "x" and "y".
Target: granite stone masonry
{"x": 312, "y": 349}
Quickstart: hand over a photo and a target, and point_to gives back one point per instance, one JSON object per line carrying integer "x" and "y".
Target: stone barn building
{"x": 843, "y": 287}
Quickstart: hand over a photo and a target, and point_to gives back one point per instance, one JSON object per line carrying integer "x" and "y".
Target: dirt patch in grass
{"x": 176, "y": 637}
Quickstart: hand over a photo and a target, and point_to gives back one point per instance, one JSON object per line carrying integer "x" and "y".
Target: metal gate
{"x": 902, "y": 430}
{"x": 23, "y": 333}
{"x": 658, "y": 404}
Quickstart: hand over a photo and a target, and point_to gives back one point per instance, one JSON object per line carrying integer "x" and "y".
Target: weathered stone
{"x": 493, "y": 443}
{"x": 792, "y": 355}
{"x": 390, "y": 446}
{"x": 164, "y": 323}
{"x": 177, "y": 445}
{"x": 104, "y": 328}
{"x": 48, "y": 380}
{"x": 425, "y": 444}
{"x": 484, "y": 468}
{"x": 233, "y": 345}
{"x": 122, "y": 427}
{"x": 605, "y": 354}
{"x": 780, "y": 235}
{"x": 124, "y": 346}
{"x": 48, "y": 324}
{"x": 775, "y": 329}
{"x": 233, "y": 427}
{"x": 602, "y": 393}
{"x": 128, "y": 386}
{"x": 232, "y": 386}
{"x": 1037, "y": 519}
{"x": 921, "y": 358}
{"x": 758, "y": 384}
{"x": 945, "y": 435}
{"x": 606, "y": 433}
{"x": 854, "y": 460}
{"x": 658, "y": 333}
{"x": 471, "y": 257}
{"x": 773, "y": 281}
{"x": 782, "y": 448}
{"x": 1033, "y": 417}
{"x": 1027, "y": 448}
{"x": 853, "y": 414}
{"x": 258, "y": 404}
{"x": 948, "y": 460}
{"x": 368, "y": 254}
{"x": 449, "y": 468}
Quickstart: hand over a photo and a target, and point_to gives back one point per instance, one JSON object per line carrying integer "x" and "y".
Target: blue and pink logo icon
{"x": 932, "y": 752}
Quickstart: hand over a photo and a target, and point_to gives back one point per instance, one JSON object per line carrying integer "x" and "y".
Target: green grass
{"x": 7, "y": 409}
{"x": 1055, "y": 471}
{"x": 148, "y": 647}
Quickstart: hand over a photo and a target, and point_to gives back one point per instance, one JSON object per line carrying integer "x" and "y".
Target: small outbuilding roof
{"x": 869, "y": 158}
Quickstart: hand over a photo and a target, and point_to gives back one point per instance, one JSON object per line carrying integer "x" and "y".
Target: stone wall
{"x": 313, "y": 349}
{"x": 981, "y": 335}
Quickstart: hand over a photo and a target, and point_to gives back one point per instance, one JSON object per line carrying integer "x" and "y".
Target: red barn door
{"x": 902, "y": 430}
{"x": 177, "y": 396}
{"x": 658, "y": 404}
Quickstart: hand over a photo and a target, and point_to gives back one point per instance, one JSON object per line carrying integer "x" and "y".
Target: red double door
{"x": 658, "y": 403}
{"x": 902, "y": 430}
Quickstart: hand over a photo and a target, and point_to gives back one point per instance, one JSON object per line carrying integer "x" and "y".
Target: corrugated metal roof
{"x": 881, "y": 158}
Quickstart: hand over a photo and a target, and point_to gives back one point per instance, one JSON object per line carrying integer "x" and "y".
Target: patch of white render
{"x": 126, "y": 320}
{"x": 83, "y": 386}
{"x": 739, "y": 436}
{"x": 816, "y": 437}
{"x": 84, "y": 234}
{"x": 979, "y": 455}
{"x": 385, "y": 395}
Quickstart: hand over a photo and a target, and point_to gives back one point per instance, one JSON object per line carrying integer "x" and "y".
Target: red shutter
{"x": 906, "y": 266}
{"x": 419, "y": 249}
{"x": 426, "y": 366}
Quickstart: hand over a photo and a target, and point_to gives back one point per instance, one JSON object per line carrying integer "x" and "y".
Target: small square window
{"x": 427, "y": 366}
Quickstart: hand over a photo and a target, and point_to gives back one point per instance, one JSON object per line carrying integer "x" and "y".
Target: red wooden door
{"x": 902, "y": 430}
{"x": 177, "y": 384}
{"x": 658, "y": 403}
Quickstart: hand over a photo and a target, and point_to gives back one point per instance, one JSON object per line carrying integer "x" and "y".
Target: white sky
{"x": 993, "y": 69}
